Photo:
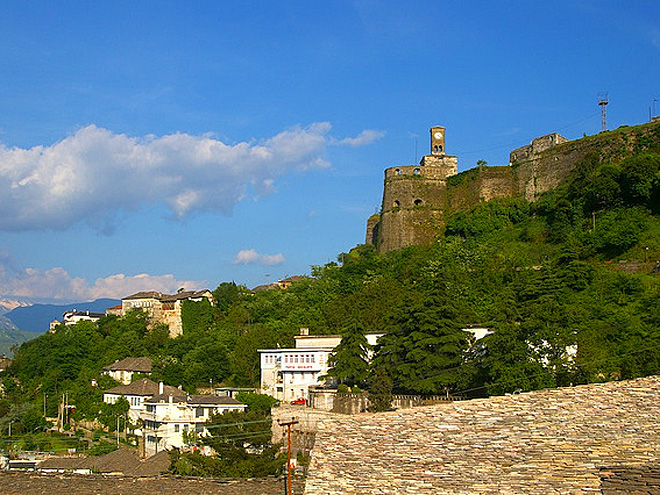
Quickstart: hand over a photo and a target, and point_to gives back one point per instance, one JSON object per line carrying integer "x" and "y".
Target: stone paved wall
{"x": 553, "y": 441}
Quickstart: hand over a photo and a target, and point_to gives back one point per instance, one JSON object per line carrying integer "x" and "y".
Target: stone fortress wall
{"x": 417, "y": 199}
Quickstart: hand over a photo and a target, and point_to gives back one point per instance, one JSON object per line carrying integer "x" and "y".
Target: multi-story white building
{"x": 287, "y": 374}
{"x": 169, "y": 420}
{"x": 137, "y": 393}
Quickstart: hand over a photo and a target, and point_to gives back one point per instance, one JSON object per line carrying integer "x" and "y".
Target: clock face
{"x": 437, "y": 135}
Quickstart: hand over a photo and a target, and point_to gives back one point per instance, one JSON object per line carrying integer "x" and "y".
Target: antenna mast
{"x": 603, "y": 100}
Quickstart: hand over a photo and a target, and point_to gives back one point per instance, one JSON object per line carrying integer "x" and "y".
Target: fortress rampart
{"x": 417, "y": 199}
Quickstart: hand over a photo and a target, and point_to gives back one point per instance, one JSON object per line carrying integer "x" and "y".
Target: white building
{"x": 74, "y": 316}
{"x": 287, "y": 374}
{"x": 167, "y": 418}
{"x": 137, "y": 393}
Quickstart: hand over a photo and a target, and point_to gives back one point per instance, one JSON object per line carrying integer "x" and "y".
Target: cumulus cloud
{"x": 95, "y": 173}
{"x": 252, "y": 257}
{"x": 57, "y": 283}
{"x": 364, "y": 138}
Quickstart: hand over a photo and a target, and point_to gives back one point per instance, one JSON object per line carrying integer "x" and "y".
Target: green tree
{"x": 349, "y": 361}
{"x": 425, "y": 349}
{"x": 380, "y": 391}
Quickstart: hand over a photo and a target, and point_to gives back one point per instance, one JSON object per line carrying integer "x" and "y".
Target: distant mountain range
{"x": 7, "y": 305}
{"x": 36, "y": 318}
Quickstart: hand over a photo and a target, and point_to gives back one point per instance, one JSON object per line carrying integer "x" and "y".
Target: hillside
{"x": 569, "y": 286}
{"x": 10, "y": 336}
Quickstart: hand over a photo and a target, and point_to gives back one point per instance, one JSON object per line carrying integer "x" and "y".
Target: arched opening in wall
{"x": 396, "y": 203}
{"x": 418, "y": 202}
{"x": 416, "y": 171}
{"x": 398, "y": 171}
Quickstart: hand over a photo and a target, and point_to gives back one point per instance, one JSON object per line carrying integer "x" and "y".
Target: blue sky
{"x": 155, "y": 145}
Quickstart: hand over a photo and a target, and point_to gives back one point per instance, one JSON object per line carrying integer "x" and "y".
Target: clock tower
{"x": 437, "y": 140}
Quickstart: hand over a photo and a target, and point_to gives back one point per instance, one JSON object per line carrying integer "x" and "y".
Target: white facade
{"x": 137, "y": 393}
{"x": 287, "y": 374}
{"x": 166, "y": 418}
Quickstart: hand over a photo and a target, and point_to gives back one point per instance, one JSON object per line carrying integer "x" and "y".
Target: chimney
{"x": 304, "y": 332}
{"x": 160, "y": 388}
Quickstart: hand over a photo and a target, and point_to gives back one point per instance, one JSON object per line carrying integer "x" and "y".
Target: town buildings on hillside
{"x": 287, "y": 374}
{"x": 164, "y": 308}
{"x": 171, "y": 420}
{"x": 169, "y": 417}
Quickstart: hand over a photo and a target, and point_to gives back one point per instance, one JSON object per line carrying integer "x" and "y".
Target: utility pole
{"x": 288, "y": 425}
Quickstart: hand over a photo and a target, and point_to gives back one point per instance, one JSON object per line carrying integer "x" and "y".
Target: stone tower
{"x": 413, "y": 199}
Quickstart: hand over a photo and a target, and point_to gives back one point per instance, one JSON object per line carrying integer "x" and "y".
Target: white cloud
{"x": 57, "y": 283}
{"x": 95, "y": 173}
{"x": 364, "y": 138}
{"x": 252, "y": 257}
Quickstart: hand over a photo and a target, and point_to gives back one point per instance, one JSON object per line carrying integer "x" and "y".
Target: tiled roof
{"x": 152, "y": 466}
{"x": 136, "y": 364}
{"x": 144, "y": 295}
{"x": 66, "y": 463}
{"x": 212, "y": 400}
{"x": 123, "y": 460}
{"x": 120, "y": 461}
{"x": 547, "y": 441}
{"x": 143, "y": 387}
{"x": 185, "y": 294}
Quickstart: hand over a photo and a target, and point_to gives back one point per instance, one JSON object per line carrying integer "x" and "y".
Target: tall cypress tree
{"x": 424, "y": 352}
{"x": 349, "y": 361}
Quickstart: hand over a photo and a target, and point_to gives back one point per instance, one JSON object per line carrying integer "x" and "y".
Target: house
{"x": 137, "y": 393}
{"x": 114, "y": 310}
{"x": 123, "y": 370}
{"x": 74, "y": 316}
{"x": 174, "y": 419}
{"x": 164, "y": 308}
{"x": 287, "y": 374}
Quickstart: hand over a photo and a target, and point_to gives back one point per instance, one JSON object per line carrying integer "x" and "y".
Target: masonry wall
{"x": 536, "y": 168}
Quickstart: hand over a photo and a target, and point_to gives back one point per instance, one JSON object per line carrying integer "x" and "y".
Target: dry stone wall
{"x": 562, "y": 441}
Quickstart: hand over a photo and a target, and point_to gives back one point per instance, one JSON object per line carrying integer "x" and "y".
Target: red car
{"x": 301, "y": 401}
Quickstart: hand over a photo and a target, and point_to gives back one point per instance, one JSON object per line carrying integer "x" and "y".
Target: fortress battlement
{"x": 417, "y": 199}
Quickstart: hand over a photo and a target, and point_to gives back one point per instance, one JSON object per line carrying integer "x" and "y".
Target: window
{"x": 398, "y": 171}
{"x": 176, "y": 428}
{"x": 199, "y": 412}
{"x": 396, "y": 203}
{"x": 418, "y": 202}
{"x": 416, "y": 171}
